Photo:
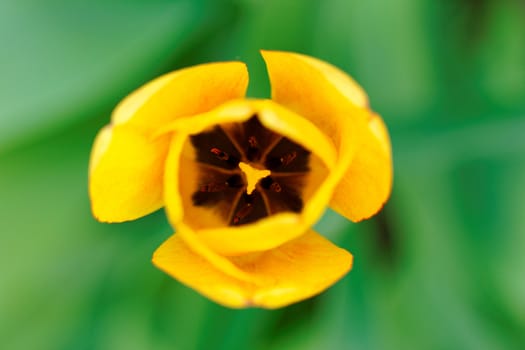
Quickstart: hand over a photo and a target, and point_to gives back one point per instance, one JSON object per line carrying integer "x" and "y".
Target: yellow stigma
{"x": 252, "y": 175}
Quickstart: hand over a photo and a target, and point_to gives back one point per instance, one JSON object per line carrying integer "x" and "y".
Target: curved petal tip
{"x": 295, "y": 271}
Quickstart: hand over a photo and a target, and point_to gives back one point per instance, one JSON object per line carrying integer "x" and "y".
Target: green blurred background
{"x": 442, "y": 267}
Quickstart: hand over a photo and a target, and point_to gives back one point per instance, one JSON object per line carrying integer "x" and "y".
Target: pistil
{"x": 252, "y": 176}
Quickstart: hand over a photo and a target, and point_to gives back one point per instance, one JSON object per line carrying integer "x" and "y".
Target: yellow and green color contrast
{"x": 243, "y": 180}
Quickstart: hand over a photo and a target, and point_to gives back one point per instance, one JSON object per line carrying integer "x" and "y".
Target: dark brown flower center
{"x": 222, "y": 185}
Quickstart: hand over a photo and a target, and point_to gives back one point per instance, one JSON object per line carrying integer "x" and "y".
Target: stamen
{"x": 253, "y": 153}
{"x": 235, "y": 181}
{"x": 242, "y": 213}
{"x": 270, "y": 184}
{"x": 252, "y": 141}
{"x": 220, "y": 154}
{"x": 288, "y": 158}
{"x": 215, "y": 148}
{"x": 283, "y": 195}
{"x": 275, "y": 187}
{"x": 213, "y": 187}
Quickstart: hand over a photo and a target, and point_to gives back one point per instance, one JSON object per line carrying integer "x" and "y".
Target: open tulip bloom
{"x": 243, "y": 180}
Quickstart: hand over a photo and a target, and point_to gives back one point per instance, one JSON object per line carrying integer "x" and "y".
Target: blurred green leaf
{"x": 61, "y": 60}
{"x": 440, "y": 268}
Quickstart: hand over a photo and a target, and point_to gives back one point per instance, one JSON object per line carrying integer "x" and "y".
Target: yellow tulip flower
{"x": 243, "y": 180}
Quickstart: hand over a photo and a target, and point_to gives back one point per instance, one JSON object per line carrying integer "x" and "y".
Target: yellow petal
{"x": 263, "y": 234}
{"x": 320, "y": 92}
{"x": 368, "y": 182}
{"x": 292, "y": 272}
{"x": 328, "y": 97}
{"x": 181, "y": 93}
{"x": 311, "y": 70}
{"x": 126, "y": 167}
{"x": 125, "y": 174}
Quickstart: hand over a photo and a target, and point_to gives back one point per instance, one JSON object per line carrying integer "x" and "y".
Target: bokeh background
{"x": 443, "y": 265}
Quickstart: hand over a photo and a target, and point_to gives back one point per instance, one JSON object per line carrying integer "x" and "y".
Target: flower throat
{"x": 253, "y": 171}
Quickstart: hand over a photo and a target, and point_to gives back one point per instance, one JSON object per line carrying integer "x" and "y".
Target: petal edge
{"x": 367, "y": 183}
{"x": 169, "y": 97}
{"x": 295, "y": 271}
{"x": 125, "y": 174}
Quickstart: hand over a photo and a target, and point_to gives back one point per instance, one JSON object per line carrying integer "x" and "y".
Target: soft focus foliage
{"x": 440, "y": 268}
